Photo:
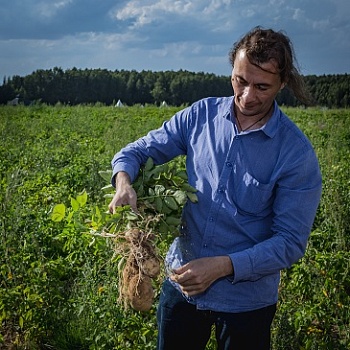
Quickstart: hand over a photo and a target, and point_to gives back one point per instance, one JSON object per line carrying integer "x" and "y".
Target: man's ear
{"x": 282, "y": 86}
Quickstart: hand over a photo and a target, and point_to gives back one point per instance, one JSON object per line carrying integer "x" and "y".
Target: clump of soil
{"x": 142, "y": 265}
{"x": 140, "y": 293}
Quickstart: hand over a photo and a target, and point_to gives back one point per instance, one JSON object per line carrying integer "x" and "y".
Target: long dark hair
{"x": 262, "y": 45}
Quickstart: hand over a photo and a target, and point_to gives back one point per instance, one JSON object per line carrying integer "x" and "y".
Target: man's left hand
{"x": 197, "y": 275}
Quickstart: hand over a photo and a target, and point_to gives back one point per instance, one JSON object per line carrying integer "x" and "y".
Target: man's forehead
{"x": 271, "y": 66}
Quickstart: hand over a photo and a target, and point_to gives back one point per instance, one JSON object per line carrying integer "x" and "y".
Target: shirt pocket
{"x": 251, "y": 196}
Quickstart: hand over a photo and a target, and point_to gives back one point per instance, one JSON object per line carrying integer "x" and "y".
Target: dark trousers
{"x": 182, "y": 326}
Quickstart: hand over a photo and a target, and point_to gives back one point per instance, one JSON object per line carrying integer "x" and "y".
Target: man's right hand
{"x": 124, "y": 195}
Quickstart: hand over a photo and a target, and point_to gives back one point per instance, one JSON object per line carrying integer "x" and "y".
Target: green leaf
{"x": 172, "y": 220}
{"x": 182, "y": 174}
{"x": 108, "y": 187}
{"x": 20, "y": 321}
{"x": 106, "y": 175}
{"x": 188, "y": 188}
{"x": 82, "y": 198}
{"x": 159, "y": 204}
{"x": 140, "y": 191}
{"x": 192, "y": 197}
{"x": 180, "y": 197}
{"x": 98, "y": 215}
{"x": 171, "y": 203}
{"x": 149, "y": 164}
{"x": 70, "y": 216}
{"x": 131, "y": 216}
{"x": 58, "y": 212}
{"x": 75, "y": 204}
{"x": 159, "y": 189}
{"x": 165, "y": 209}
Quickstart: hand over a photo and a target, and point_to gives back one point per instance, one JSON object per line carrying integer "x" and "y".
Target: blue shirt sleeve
{"x": 162, "y": 145}
{"x": 297, "y": 197}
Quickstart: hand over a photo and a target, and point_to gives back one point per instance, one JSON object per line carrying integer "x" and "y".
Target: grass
{"x": 58, "y": 289}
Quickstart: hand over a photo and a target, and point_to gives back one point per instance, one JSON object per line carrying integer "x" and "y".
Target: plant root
{"x": 141, "y": 266}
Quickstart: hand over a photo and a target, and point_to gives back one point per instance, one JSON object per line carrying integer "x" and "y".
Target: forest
{"x": 90, "y": 86}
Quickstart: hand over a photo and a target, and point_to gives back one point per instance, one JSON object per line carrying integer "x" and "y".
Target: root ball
{"x": 140, "y": 293}
{"x": 151, "y": 267}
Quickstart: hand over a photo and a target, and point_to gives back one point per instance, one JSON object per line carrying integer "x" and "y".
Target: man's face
{"x": 255, "y": 88}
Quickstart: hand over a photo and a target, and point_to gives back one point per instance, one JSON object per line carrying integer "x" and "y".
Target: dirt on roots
{"x": 141, "y": 266}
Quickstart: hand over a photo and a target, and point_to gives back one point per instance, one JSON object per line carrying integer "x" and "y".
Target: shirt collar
{"x": 270, "y": 128}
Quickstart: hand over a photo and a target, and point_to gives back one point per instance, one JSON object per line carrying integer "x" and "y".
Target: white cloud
{"x": 178, "y": 50}
{"x": 216, "y": 5}
{"x": 301, "y": 16}
{"x": 298, "y": 14}
{"x": 49, "y": 9}
{"x": 277, "y": 2}
{"x": 145, "y": 12}
{"x": 248, "y": 12}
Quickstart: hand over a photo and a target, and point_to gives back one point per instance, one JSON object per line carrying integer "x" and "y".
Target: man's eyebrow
{"x": 261, "y": 84}
{"x": 264, "y": 84}
{"x": 239, "y": 76}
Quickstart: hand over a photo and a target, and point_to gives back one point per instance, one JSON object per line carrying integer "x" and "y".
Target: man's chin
{"x": 248, "y": 112}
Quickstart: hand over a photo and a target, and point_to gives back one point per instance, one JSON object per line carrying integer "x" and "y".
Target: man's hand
{"x": 197, "y": 275}
{"x": 124, "y": 195}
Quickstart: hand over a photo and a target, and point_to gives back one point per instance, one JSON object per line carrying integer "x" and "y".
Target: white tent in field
{"x": 13, "y": 102}
{"x": 119, "y": 104}
{"x": 164, "y": 104}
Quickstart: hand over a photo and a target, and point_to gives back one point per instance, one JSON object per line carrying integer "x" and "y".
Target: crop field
{"x": 60, "y": 275}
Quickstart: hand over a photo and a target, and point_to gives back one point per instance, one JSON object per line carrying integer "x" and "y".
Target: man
{"x": 259, "y": 186}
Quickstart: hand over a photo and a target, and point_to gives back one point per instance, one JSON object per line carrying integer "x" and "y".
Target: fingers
{"x": 180, "y": 270}
{"x": 189, "y": 286}
{"x": 123, "y": 198}
{"x": 132, "y": 201}
{"x": 196, "y": 276}
{"x": 182, "y": 278}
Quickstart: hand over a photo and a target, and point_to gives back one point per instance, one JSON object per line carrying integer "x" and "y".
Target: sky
{"x": 161, "y": 35}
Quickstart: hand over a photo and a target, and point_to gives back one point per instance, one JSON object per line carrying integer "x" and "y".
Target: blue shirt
{"x": 258, "y": 193}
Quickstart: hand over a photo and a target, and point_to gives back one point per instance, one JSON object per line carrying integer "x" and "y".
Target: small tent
{"x": 13, "y": 102}
{"x": 119, "y": 104}
{"x": 164, "y": 104}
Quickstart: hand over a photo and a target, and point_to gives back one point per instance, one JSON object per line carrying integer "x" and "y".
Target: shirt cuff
{"x": 123, "y": 167}
{"x": 242, "y": 266}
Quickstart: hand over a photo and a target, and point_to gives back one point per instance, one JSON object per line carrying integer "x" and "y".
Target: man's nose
{"x": 249, "y": 93}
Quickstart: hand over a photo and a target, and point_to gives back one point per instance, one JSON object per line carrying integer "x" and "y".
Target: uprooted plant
{"x": 162, "y": 191}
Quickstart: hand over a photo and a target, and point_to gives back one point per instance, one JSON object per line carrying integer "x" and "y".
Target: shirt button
{"x": 211, "y": 218}
{"x": 205, "y": 245}
{"x": 221, "y": 189}
{"x": 229, "y": 164}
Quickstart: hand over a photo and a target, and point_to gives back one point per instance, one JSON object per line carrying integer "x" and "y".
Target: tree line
{"x": 89, "y": 86}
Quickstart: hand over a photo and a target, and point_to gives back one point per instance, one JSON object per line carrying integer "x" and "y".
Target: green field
{"x": 59, "y": 286}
